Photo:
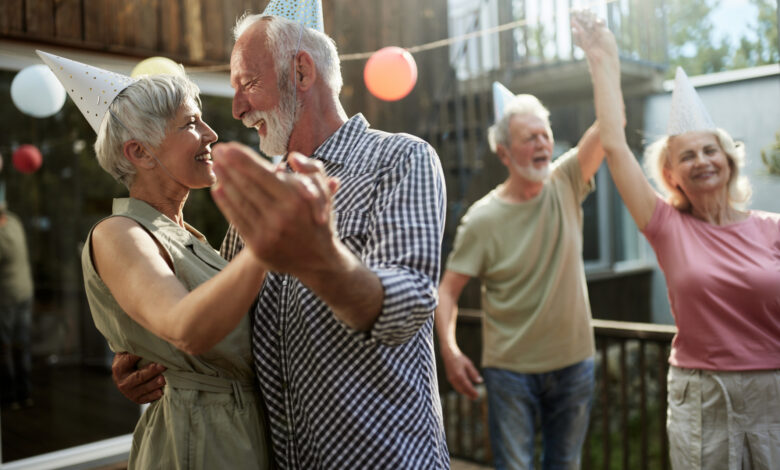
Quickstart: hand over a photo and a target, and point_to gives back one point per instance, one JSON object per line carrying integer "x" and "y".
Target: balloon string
{"x": 427, "y": 46}
{"x": 465, "y": 37}
{"x": 295, "y": 81}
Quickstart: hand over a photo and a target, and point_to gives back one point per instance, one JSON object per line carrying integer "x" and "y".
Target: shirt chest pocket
{"x": 198, "y": 264}
{"x": 352, "y": 228}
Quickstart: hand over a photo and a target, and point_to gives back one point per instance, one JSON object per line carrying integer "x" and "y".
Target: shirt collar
{"x": 185, "y": 236}
{"x": 339, "y": 145}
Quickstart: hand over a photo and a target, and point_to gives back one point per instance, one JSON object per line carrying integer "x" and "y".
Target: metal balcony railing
{"x": 628, "y": 419}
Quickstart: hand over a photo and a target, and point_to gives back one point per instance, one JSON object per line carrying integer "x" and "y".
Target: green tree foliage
{"x": 771, "y": 156}
{"x": 693, "y": 45}
{"x": 764, "y": 47}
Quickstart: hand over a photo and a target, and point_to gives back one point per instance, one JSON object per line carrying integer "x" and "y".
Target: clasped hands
{"x": 592, "y": 35}
{"x": 284, "y": 218}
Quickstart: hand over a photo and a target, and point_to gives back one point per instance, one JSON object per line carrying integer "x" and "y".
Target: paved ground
{"x": 455, "y": 465}
{"x": 466, "y": 465}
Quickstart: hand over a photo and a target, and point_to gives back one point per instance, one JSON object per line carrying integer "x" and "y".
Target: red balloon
{"x": 390, "y": 73}
{"x": 27, "y": 158}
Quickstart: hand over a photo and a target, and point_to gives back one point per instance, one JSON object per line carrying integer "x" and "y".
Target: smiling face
{"x": 530, "y": 148}
{"x": 697, "y": 164}
{"x": 185, "y": 151}
{"x": 259, "y": 101}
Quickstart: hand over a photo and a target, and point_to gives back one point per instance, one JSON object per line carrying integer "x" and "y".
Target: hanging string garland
{"x": 429, "y": 45}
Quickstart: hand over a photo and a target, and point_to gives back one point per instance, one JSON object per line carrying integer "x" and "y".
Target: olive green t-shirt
{"x": 528, "y": 257}
{"x": 16, "y": 284}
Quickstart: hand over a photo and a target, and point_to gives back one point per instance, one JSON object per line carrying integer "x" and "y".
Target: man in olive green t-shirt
{"x": 16, "y": 294}
{"x": 523, "y": 241}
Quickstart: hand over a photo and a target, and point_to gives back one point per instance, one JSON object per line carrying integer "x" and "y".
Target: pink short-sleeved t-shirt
{"x": 724, "y": 288}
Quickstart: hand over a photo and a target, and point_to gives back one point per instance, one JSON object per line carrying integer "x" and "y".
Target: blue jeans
{"x": 15, "y": 361}
{"x": 559, "y": 400}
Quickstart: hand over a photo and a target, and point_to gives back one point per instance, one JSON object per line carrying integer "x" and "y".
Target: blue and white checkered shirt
{"x": 343, "y": 399}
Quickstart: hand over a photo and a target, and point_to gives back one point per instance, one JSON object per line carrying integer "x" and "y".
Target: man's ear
{"x": 135, "y": 153}
{"x": 305, "y": 71}
{"x": 503, "y": 153}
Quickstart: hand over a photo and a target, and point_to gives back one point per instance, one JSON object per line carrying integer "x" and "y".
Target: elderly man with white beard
{"x": 523, "y": 241}
{"x": 343, "y": 327}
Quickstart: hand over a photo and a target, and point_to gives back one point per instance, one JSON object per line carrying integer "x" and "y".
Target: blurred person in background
{"x": 16, "y": 305}
{"x": 523, "y": 241}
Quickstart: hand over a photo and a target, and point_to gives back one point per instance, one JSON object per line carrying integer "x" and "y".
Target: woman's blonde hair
{"x": 657, "y": 158}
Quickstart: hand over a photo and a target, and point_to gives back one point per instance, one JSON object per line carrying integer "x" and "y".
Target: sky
{"x": 733, "y": 18}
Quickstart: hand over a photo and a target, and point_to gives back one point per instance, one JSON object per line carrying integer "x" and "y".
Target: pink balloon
{"x": 27, "y": 158}
{"x": 1, "y": 162}
{"x": 390, "y": 73}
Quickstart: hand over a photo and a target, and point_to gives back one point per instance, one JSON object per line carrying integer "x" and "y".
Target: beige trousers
{"x": 723, "y": 420}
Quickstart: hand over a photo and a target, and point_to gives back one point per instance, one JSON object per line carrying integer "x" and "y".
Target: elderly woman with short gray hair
{"x": 156, "y": 288}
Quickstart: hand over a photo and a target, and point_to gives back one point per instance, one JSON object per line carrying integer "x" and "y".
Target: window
{"x": 611, "y": 240}
{"x": 480, "y": 54}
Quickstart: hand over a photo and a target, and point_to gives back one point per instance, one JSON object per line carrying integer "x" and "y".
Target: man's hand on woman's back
{"x": 140, "y": 386}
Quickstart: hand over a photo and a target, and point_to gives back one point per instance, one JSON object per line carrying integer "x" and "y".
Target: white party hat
{"x": 91, "y": 88}
{"x": 687, "y": 110}
{"x": 306, "y": 12}
{"x": 501, "y": 96}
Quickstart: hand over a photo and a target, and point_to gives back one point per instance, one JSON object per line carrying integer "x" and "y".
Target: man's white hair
{"x": 498, "y": 133}
{"x": 145, "y": 108}
{"x": 283, "y": 39}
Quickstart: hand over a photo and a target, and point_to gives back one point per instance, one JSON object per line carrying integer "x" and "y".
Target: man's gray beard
{"x": 531, "y": 173}
{"x": 279, "y": 124}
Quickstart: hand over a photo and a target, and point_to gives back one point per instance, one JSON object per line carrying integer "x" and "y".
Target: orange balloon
{"x": 390, "y": 73}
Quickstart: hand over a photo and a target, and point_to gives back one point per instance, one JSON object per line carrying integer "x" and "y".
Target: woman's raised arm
{"x": 598, "y": 43}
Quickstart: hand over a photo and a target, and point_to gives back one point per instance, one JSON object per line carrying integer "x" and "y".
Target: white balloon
{"x": 37, "y": 92}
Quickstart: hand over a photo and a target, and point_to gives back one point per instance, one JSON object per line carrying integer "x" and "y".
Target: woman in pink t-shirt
{"x": 722, "y": 266}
